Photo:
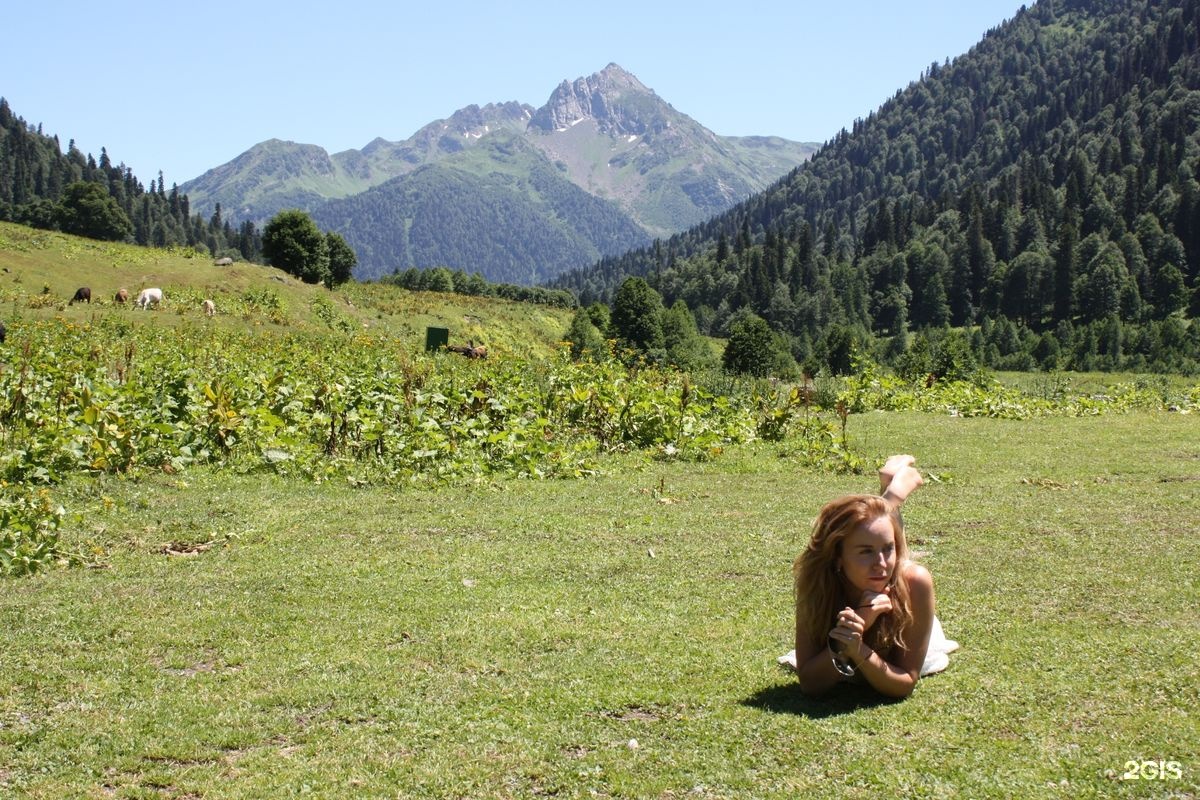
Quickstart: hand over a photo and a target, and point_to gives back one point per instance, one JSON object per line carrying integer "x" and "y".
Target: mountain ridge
{"x": 607, "y": 134}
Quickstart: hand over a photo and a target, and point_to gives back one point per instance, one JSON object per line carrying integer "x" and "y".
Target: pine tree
{"x": 585, "y": 339}
{"x": 342, "y": 260}
{"x": 1065, "y": 271}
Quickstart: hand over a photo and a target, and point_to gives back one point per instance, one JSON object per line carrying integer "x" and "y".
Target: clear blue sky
{"x": 184, "y": 87}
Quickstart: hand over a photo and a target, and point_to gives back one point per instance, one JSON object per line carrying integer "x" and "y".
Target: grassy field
{"x": 238, "y": 634}
{"x": 40, "y": 270}
{"x": 614, "y": 637}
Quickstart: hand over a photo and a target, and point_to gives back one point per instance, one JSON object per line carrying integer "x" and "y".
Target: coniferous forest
{"x": 43, "y": 187}
{"x": 1036, "y": 198}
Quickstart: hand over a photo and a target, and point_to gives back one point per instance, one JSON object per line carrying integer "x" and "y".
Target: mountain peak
{"x": 616, "y": 75}
{"x": 618, "y": 102}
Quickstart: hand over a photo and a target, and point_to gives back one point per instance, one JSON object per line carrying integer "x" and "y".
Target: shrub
{"x": 29, "y": 523}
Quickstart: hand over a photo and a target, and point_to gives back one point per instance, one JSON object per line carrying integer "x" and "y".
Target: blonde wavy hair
{"x": 817, "y": 583}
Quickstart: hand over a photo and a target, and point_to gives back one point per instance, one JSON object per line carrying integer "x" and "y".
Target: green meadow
{"x": 42, "y": 270}
{"x": 251, "y": 636}
{"x": 315, "y": 618}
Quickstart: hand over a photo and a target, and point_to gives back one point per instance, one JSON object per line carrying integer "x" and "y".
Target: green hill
{"x": 40, "y": 271}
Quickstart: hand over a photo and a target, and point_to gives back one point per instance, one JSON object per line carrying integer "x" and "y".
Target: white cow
{"x": 148, "y": 297}
{"x": 210, "y": 308}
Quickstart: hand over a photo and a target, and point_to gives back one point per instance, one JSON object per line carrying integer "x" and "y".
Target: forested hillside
{"x": 44, "y": 187}
{"x": 1041, "y": 190}
{"x": 522, "y": 226}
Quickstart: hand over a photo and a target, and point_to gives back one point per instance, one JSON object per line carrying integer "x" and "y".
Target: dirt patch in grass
{"x": 307, "y": 717}
{"x": 185, "y": 548}
{"x": 176, "y": 761}
{"x": 638, "y": 713}
{"x": 208, "y": 663}
{"x": 1044, "y": 483}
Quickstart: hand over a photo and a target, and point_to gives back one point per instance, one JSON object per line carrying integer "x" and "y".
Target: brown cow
{"x": 121, "y": 296}
{"x": 82, "y": 295}
{"x": 471, "y": 350}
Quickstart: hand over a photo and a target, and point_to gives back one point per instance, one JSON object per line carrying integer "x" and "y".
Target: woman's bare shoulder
{"x": 918, "y": 577}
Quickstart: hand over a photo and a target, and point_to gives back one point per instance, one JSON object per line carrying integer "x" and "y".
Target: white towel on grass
{"x": 937, "y": 657}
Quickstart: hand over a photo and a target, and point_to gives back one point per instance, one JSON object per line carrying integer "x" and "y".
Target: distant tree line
{"x": 443, "y": 279}
{"x": 639, "y": 328}
{"x": 1039, "y": 195}
{"x": 43, "y": 187}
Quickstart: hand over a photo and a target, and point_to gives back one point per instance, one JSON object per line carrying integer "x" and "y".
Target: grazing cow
{"x": 82, "y": 295}
{"x": 210, "y": 308}
{"x": 148, "y": 297}
{"x": 121, "y": 296}
{"x": 223, "y": 262}
{"x": 471, "y": 350}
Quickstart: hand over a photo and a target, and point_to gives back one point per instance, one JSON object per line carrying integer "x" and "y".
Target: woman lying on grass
{"x": 856, "y": 574}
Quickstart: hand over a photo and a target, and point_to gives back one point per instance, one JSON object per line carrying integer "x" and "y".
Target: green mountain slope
{"x": 274, "y": 175}
{"x": 537, "y": 222}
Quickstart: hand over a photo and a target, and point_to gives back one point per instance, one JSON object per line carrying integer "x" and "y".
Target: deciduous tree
{"x": 86, "y": 209}
{"x": 751, "y": 348}
{"x": 292, "y": 242}
{"x": 637, "y": 316}
{"x": 686, "y": 348}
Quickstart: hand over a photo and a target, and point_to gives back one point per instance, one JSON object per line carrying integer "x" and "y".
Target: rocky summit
{"x": 599, "y": 97}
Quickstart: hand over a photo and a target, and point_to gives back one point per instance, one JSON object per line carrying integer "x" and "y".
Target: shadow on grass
{"x": 788, "y": 699}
